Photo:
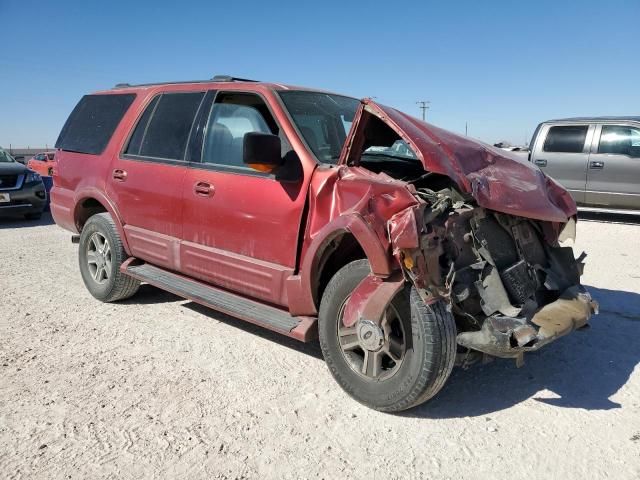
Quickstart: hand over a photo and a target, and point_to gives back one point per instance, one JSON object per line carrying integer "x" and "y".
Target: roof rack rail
{"x": 153, "y": 84}
{"x": 229, "y": 78}
{"x": 217, "y": 78}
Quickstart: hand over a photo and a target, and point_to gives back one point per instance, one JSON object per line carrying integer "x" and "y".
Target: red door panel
{"x": 148, "y": 197}
{"x": 243, "y": 235}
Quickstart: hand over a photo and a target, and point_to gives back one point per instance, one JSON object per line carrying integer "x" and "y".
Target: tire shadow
{"x": 311, "y": 348}
{"x": 149, "y": 295}
{"x": 582, "y": 370}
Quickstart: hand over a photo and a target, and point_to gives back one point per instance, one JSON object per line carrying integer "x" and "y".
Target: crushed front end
{"x": 511, "y": 286}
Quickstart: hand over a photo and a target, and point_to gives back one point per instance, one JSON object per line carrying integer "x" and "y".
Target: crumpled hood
{"x": 496, "y": 179}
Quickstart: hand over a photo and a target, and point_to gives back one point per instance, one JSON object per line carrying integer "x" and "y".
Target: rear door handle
{"x": 596, "y": 165}
{"x": 540, "y": 162}
{"x": 203, "y": 189}
{"x": 119, "y": 175}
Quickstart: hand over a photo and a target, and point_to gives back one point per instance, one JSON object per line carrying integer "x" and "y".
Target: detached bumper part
{"x": 510, "y": 337}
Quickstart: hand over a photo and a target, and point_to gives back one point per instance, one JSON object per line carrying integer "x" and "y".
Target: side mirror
{"x": 261, "y": 151}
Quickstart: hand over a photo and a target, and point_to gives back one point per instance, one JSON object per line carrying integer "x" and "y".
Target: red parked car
{"x": 43, "y": 163}
{"x": 406, "y": 248}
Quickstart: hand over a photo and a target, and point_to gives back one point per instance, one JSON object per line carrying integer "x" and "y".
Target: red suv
{"x": 406, "y": 248}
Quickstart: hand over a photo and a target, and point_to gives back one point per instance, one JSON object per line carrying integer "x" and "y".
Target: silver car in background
{"x": 597, "y": 159}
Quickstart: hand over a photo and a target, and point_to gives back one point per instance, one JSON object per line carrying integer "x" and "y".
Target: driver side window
{"x": 232, "y": 116}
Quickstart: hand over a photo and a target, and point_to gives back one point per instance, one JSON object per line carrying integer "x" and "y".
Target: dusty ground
{"x": 160, "y": 387}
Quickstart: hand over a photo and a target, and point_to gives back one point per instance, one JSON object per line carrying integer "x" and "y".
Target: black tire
{"x": 33, "y": 216}
{"x": 115, "y": 285}
{"x": 430, "y": 339}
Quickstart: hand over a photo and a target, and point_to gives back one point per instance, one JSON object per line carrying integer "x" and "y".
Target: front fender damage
{"x": 370, "y": 298}
{"x": 510, "y": 285}
{"x": 482, "y": 232}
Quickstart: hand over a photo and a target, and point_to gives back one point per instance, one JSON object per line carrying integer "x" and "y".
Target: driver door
{"x": 240, "y": 227}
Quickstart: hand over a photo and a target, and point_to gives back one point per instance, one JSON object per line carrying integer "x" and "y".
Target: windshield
{"x": 399, "y": 149}
{"x": 323, "y": 120}
{"x": 5, "y": 157}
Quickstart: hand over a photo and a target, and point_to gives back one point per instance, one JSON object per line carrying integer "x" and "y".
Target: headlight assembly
{"x": 32, "y": 177}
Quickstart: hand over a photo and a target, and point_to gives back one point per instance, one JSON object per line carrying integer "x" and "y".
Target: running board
{"x": 609, "y": 211}
{"x": 278, "y": 320}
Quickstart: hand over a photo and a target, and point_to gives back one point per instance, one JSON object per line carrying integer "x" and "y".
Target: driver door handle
{"x": 119, "y": 175}
{"x": 595, "y": 165}
{"x": 541, "y": 162}
{"x": 203, "y": 189}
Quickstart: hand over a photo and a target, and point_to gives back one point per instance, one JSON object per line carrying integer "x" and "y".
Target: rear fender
{"x": 97, "y": 195}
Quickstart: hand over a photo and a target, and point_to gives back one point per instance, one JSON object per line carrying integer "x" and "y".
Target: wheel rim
{"x": 373, "y": 351}
{"x": 99, "y": 258}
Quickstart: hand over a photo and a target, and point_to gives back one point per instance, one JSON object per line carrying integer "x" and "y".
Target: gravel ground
{"x": 161, "y": 387}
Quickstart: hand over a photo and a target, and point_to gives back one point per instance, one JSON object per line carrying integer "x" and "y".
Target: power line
{"x": 424, "y": 106}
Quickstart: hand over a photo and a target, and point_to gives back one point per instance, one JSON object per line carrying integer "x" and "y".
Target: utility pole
{"x": 466, "y": 129}
{"x": 424, "y": 106}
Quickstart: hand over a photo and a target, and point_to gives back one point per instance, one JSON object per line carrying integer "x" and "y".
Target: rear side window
{"x": 163, "y": 130}
{"x": 92, "y": 123}
{"x": 566, "y": 139}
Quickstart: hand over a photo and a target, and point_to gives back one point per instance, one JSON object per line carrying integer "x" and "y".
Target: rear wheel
{"x": 397, "y": 364}
{"x": 100, "y": 255}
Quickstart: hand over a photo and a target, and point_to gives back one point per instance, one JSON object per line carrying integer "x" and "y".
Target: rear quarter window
{"x": 92, "y": 123}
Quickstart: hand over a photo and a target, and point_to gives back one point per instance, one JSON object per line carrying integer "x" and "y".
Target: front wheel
{"x": 100, "y": 255}
{"x": 392, "y": 366}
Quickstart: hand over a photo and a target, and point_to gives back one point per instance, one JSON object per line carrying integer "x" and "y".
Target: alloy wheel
{"x": 99, "y": 258}
{"x": 371, "y": 350}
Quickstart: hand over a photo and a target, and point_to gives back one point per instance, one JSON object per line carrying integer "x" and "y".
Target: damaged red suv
{"x": 405, "y": 248}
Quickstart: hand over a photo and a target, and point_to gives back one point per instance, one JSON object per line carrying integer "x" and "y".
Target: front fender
{"x": 369, "y": 300}
{"x": 300, "y": 287}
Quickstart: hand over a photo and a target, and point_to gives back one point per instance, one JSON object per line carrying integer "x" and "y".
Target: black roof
{"x": 596, "y": 119}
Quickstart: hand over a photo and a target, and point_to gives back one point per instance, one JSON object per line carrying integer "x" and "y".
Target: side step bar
{"x": 278, "y": 320}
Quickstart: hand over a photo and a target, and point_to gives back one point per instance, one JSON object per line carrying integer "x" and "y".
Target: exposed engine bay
{"x": 486, "y": 237}
{"x": 510, "y": 285}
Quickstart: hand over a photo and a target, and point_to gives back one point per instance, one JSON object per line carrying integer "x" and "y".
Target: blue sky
{"x": 500, "y": 66}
